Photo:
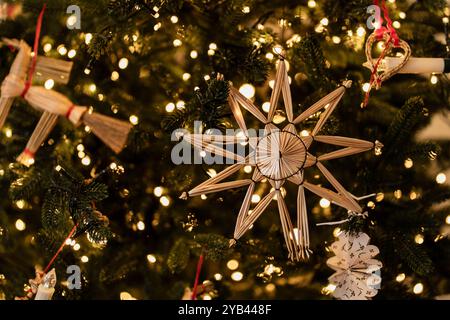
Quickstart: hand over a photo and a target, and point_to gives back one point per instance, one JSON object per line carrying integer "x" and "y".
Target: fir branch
{"x": 405, "y": 121}
{"x": 310, "y": 54}
{"x": 178, "y": 256}
{"x": 209, "y": 105}
{"x": 414, "y": 255}
{"x": 216, "y": 247}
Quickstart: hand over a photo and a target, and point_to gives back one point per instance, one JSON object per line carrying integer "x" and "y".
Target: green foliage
{"x": 216, "y": 247}
{"x": 26, "y": 184}
{"x": 100, "y": 44}
{"x": 209, "y": 105}
{"x": 310, "y": 54}
{"x": 245, "y": 61}
{"x": 415, "y": 256}
{"x": 178, "y": 256}
{"x": 120, "y": 9}
{"x": 421, "y": 151}
{"x": 55, "y": 210}
{"x": 355, "y": 224}
{"x": 406, "y": 120}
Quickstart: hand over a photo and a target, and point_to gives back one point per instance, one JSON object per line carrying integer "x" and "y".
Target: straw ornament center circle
{"x": 280, "y": 155}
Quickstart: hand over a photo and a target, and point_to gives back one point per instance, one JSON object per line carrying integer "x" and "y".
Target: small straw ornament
{"x": 112, "y": 132}
{"x": 46, "y": 68}
{"x": 53, "y": 104}
{"x": 278, "y": 157}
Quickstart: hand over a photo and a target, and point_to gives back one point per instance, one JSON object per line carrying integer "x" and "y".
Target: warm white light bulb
{"x": 324, "y": 21}
{"x": 20, "y": 225}
{"x": 400, "y": 277}
{"x": 247, "y": 90}
{"x": 233, "y": 264}
{"x": 325, "y": 203}
{"x": 151, "y": 258}
{"x": 256, "y": 198}
{"x": 47, "y": 47}
{"x": 441, "y": 178}
{"x": 141, "y": 225}
{"x": 248, "y": 169}
{"x": 72, "y": 53}
{"x": 194, "y": 54}
{"x": 123, "y": 63}
{"x": 115, "y": 76}
{"x": 408, "y": 163}
{"x": 170, "y": 107}
{"x": 86, "y": 161}
{"x": 186, "y": 76}
{"x": 366, "y": 87}
{"x": 165, "y": 201}
{"x": 134, "y": 120}
{"x": 434, "y": 79}
{"x": 311, "y": 4}
{"x": 418, "y": 288}
{"x": 158, "y": 191}
{"x": 62, "y": 50}
{"x": 49, "y": 84}
{"x": 88, "y": 38}
{"x": 360, "y": 31}
{"x": 237, "y": 276}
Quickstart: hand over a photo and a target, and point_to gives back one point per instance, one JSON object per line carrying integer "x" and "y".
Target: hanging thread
{"x": 35, "y": 50}
{"x": 197, "y": 276}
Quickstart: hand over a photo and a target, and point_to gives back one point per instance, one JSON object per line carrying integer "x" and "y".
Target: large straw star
{"x": 277, "y": 157}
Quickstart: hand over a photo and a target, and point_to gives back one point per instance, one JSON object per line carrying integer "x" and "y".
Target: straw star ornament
{"x": 280, "y": 156}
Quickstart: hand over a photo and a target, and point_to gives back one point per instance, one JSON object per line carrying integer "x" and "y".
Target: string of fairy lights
{"x": 354, "y": 39}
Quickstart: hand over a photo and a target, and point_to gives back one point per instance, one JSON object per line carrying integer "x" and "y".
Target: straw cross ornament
{"x": 53, "y": 105}
{"x": 280, "y": 156}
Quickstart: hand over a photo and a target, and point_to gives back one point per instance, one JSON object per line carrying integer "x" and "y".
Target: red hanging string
{"x": 379, "y": 31}
{"x": 35, "y": 50}
{"x": 47, "y": 268}
{"x": 197, "y": 277}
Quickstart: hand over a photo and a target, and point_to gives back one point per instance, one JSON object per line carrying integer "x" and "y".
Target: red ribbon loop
{"x": 380, "y": 31}
{"x": 71, "y": 233}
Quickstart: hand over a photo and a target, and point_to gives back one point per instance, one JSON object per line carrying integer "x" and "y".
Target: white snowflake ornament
{"x": 357, "y": 275}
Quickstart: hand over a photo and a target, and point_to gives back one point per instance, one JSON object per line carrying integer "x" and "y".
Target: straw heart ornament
{"x": 380, "y": 74}
{"x": 280, "y": 156}
{"x": 391, "y": 41}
